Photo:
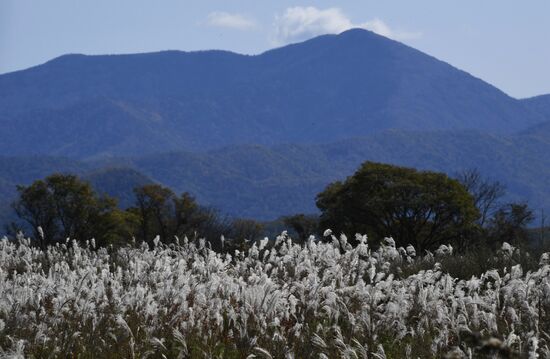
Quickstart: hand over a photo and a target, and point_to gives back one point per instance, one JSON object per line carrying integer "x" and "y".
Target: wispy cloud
{"x": 232, "y": 21}
{"x": 300, "y": 23}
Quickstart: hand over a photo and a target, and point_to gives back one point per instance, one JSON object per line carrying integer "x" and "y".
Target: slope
{"x": 266, "y": 182}
{"x": 322, "y": 90}
{"x": 539, "y": 104}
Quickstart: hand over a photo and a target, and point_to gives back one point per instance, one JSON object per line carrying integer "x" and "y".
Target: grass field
{"x": 323, "y": 299}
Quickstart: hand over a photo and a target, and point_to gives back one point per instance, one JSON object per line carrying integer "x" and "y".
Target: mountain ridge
{"x": 263, "y": 182}
{"x": 540, "y": 104}
{"x": 260, "y": 135}
{"x": 325, "y": 89}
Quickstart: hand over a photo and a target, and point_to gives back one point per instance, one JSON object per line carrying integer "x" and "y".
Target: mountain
{"x": 118, "y": 183}
{"x": 24, "y": 170}
{"x": 266, "y": 182}
{"x": 540, "y": 104}
{"x": 114, "y": 181}
{"x": 259, "y": 136}
{"x": 322, "y": 90}
{"x": 95, "y": 128}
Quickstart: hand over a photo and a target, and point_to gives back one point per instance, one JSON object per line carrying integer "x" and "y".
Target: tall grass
{"x": 323, "y": 299}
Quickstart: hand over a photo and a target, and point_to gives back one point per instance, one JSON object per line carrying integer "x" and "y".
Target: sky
{"x": 504, "y": 42}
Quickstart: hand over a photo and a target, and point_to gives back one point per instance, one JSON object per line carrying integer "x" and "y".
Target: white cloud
{"x": 232, "y": 21}
{"x": 301, "y": 23}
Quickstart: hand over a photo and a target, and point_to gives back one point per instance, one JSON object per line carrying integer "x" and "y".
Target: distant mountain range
{"x": 326, "y": 89}
{"x": 540, "y": 104}
{"x": 259, "y": 136}
{"x": 265, "y": 182}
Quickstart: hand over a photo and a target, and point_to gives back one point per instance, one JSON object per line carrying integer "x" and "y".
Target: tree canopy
{"x": 161, "y": 212}
{"x": 421, "y": 208}
{"x": 63, "y": 206}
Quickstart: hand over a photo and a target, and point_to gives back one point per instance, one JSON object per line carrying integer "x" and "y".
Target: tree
{"x": 242, "y": 234}
{"x": 247, "y": 229}
{"x": 303, "y": 225}
{"x": 63, "y": 207}
{"x": 154, "y": 209}
{"x": 486, "y": 193}
{"x": 160, "y": 212}
{"x": 191, "y": 219}
{"x": 421, "y": 208}
{"x": 509, "y": 224}
{"x": 35, "y": 207}
{"x": 500, "y": 222}
{"x": 212, "y": 226}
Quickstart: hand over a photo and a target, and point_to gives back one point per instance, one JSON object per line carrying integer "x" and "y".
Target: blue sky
{"x": 504, "y": 42}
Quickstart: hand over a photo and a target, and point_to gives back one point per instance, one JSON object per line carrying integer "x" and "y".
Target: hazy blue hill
{"x": 260, "y": 136}
{"x": 72, "y": 78}
{"x": 98, "y": 128}
{"x": 540, "y": 131}
{"x": 326, "y": 89}
{"x": 266, "y": 182}
{"x": 118, "y": 183}
{"x": 114, "y": 181}
{"x": 248, "y": 181}
{"x": 540, "y": 104}
{"x": 363, "y": 80}
{"x": 24, "y": 170}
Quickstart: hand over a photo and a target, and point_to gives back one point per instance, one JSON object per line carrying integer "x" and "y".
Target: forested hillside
{"x": 260, "y": 136}
{"x": 329, "y": 88}
{"x": 540, "y": 104}
{"x": 266, "y": 182}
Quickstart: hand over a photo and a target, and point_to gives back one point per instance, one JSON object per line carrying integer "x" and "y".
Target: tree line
{"x": 421, "y": 208}
{"x": 63, "y": 206}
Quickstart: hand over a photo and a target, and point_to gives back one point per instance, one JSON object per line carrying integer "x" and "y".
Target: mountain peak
{"x": 328, "y": 88}
{"x": 360, "y": 32}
